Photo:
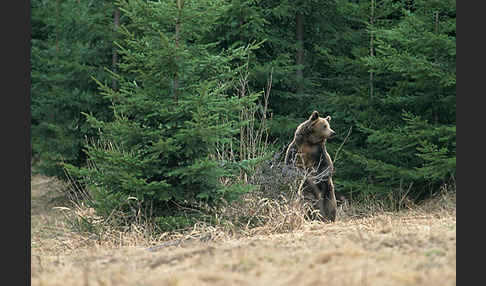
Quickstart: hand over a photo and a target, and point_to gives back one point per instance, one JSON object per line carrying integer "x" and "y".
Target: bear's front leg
{"x": 327, "y": 204}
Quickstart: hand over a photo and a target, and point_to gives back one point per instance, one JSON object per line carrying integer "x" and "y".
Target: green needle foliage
{"x": 408, "y": 124}
{"x": 162, "y": 128}
{"x": 159, "y": 152}
{"x": 71, "y": 42}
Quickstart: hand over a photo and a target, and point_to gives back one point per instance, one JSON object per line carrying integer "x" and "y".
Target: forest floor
{"x": 415, "y": 246}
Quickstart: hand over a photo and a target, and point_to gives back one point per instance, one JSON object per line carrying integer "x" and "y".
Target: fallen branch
{"x": 178, "y": 242}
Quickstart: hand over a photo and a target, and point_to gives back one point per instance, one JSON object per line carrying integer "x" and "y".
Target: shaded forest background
{"x": 180, "y": 102}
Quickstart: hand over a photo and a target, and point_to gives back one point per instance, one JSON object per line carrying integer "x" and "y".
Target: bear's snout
{"x": 332, "y": 134}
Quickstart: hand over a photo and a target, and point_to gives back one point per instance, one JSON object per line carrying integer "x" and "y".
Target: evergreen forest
{"x": 179, "y": 104}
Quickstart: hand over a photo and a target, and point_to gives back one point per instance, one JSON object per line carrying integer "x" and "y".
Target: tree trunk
{"x": 57, "y": 26}
{"x": 437, "y": 22}
{"x": 436, "y": 115}
{"x": 180, "y": 5}
{"x": 116, "y": 22}
{"x": 176, "y": 72}
{"x": 372, "y": 19}
{"x": 300, "y": 52}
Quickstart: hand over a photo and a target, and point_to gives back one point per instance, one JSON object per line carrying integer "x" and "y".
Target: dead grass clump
{"x": 277, "y": 206}
{"x": 442, "y": 202}
{"x": 362, "y": 208}
{"x": 256, "y": 214}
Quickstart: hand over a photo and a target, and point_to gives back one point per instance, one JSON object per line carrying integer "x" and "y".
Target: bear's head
{"x": 314, "y": 130}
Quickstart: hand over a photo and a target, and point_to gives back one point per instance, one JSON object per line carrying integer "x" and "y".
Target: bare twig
{"x": 342, "y": 144}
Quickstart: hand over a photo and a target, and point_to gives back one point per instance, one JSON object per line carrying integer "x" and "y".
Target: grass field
{"x": 415, "y": 246}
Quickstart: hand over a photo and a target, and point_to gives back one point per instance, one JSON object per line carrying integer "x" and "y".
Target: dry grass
{"x": 366, "y": 246}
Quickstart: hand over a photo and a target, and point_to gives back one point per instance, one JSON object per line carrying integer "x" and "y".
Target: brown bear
{"x": 307, "y": 152}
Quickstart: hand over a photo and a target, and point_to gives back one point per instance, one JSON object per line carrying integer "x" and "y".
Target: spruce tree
{"x": 72, "y": 41}
{"x": 407, "y": 128}
{"x": 174, "y": 106}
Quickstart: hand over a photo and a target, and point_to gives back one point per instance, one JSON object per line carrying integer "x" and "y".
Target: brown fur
{"x": 308, "y": 153}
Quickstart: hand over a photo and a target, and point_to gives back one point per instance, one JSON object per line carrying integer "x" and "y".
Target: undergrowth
{"x": 271, "y": 209}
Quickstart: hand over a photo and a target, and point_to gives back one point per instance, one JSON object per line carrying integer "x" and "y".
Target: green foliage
{"x": 163, "y": 137}
{"x": 406, "y": 130}
{"x": 158, "y": 150}
{"x": 71, "y": 42}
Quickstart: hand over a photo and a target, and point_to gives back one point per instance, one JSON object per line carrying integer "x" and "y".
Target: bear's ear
{"x": 328, "y": 118}
{"x": 314, "y": 116}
